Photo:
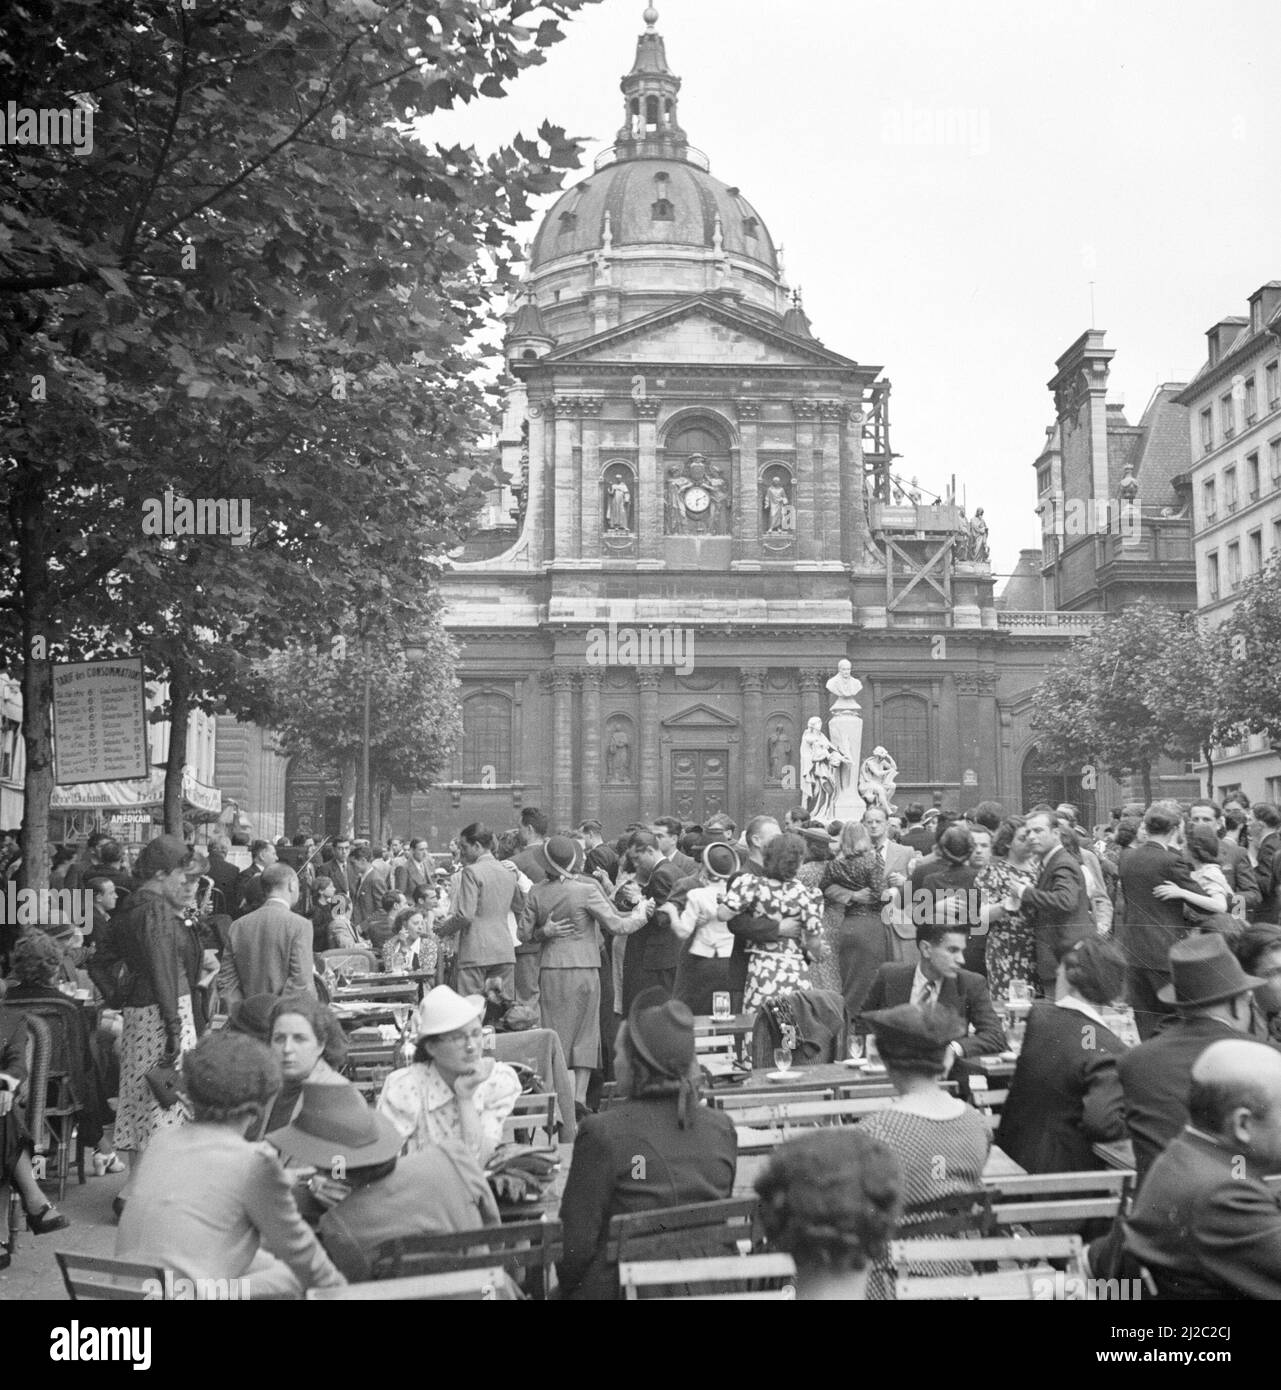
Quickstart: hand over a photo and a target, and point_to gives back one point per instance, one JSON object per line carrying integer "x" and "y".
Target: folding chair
{"x": 527, "y": 1250}
{"x": 350, "y": 960}
{"x": 533, "y": 1112}
{"x": 957, "y": 1214}
{"x": 769, "y": 1125}
{"x": 727, "y": 1227}
{"x": 719, "y": 1277}
{"x": 734, "y": 1101}
{"x": 467, "y": 1285}
{"x": 1040, "y": 1281}
{"x": 1034, "y": 1198}
{"x": 92, "y": 1277}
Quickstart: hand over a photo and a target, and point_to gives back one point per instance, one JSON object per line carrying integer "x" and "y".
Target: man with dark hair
{"x": 1058, "y": 906}
{"x": 1265, "y": 832}
{"x": 600, "y": 857}
{"x": 358, "y": 866}
{"x": 487, "y": 892}
{"x": 667, "y": 831}
{"x": 939, "y": 978}
{"x": 1258, "y": 948}
{"x": 1205, "y": 1225}
{"x": 747, "y": 929}
{"x": 796, "y": 820}
{"x": 649, "y": 960}
{"x": 1151, "y": 924}
{"x": 532, "y": 863}
{"x": 1233, "y": 860}
{"x": 269, "y": 949}
{"x": 249, "y": 890}
{"x": 916, "y": 837}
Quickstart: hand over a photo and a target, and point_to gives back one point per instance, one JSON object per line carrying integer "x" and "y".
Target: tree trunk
{"x": 37, "y": 680}
{"x": 179, "y": 710}
{"x": 1208, "y": 752}
{"x": 384, "y": 812}
{"x": 347, "y": 774}
{"x": 1147, "y": 784}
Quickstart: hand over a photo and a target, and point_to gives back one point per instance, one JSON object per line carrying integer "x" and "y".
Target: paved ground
{"x": 34, "y": 1272}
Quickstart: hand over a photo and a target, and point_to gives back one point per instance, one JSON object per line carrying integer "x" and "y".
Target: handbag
{"x": 164, "y": 1084}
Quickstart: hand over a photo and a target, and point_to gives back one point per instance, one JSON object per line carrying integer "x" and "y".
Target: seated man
{"x": 938, "y": 977}
{"x": 1205, "y": 1224}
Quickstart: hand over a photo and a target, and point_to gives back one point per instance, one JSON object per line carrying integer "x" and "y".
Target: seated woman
{"x": 311, "y": 1048}
{"x": 209, "y": 1204}
{"x": 831, "y": 1200}
{"x": 1066, "y": 1096}
{"x": 658, "y": 1148}
{"x": 942, "y": 1144}
{"x": 413, "y": 945}
{"x": 37, "y": 963}
{"x": 369, "y": 1194}
{"x": 452, "y": 1091}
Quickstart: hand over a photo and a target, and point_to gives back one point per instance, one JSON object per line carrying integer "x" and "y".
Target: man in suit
{"x": 1206, "y": 1226}
{"x": 1213, "y": 997}
{"x": 916, "y": 837}
{"x": 269, "y": 950}
{"x": 1058, "y": 904}
{"x": 250, "y": 894}
{"x": 417, "y": 871}
{"x": 667, "y": 831}
{"x": 532, "y": 863}
{"x": 1233, "y": 860}
{"x": 939, "y": 977}
{"x": 1265, "y": 830}
{"x": 224, "y": 875}
{"x": 487, "y": 892}
{"x": 345, "y": 874}
{"x": 1151, "y": 925}
{"x": 651, "y": 954}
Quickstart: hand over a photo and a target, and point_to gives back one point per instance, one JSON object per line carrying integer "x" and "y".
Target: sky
{"x": 948, "y": 178}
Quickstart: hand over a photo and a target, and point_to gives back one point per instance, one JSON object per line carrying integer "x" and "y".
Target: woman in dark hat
{"x": 565, "y": 914}
{"x": 941, "y": 1143}
{"x": 657, "y": 1148}
{"x": 831, "y": 1199}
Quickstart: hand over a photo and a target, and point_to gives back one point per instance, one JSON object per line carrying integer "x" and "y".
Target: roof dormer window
{"x": 750, "y": 226}
{"x": 663, "y": 211}
{"x": 568, "y": 222}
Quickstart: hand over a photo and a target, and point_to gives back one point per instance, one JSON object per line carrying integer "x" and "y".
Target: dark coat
{"x": 1204, "y": 1223}
{"x": 1065, "y": 1095}
{"x": 1239, "y": 872}
{"x": 1155, "y": 1077}
{"x": 1152, "y": 925}
{"x": 163, "y": 955}
{"x": 1268, "y": 878}
{"x": 224, "y": 877}
{"x": 966, "y": 995}
{"x": 655, "y": 946}
{"x": 635, "y": 1157}
{"x": 1059, "y": 910}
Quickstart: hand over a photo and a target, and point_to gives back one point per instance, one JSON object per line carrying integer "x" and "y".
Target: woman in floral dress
{"x": 1011, "y": 938}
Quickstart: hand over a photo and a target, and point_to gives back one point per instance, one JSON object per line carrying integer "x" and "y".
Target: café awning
{"x": 133, "y": 795}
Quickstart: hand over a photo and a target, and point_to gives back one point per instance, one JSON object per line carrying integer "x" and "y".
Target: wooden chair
{"x": 957, "y": 1214}
{"x": 466, "y": 1285}
{"x": 93, "y": 1277}
{"x": 1032, "y": 1199}
{"x": 699, "y": 1229}
{"x": 766, "y": 1126}
{"x": 717, "y": 1277}
{"x": 1037, "y": 1281}
{"x": 734, "y": 1101}
{"x": 527, "y": 1250}
{"x": 716, "y": 1043}
{"x": 53, "y": 1108}
{"x": 533, "y": 1112}
{"x": 350, "y": 960}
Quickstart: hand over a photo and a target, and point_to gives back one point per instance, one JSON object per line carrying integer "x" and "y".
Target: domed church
{"x": 702, "y": 523}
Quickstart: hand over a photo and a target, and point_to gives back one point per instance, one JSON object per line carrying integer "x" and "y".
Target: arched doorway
{"x": 313, "y": 801}
{"x": 1044, "y": 781}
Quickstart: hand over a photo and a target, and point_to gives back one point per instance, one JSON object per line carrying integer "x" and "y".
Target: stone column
{"x": 591, "y": 678}
{"x": 651, "y": 772}
{"x": 564, "y": 486}
{"x": 746, "y": 550}
{"x": 752, "y": 683}
{"x": 808, "y": 522}
{"x": 828, "y": 482}
{"x": 649, "y": 484}
{"x": 588, "y": 519}
{"x": 560, "y": 681}
{"x": 812, "y": 683}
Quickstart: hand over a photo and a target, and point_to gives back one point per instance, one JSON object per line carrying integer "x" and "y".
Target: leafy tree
{"x": 1250, "y": 677}
{"x": 258, "y": 286}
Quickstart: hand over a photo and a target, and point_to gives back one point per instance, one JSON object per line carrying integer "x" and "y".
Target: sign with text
{"x": 99, "y": 721}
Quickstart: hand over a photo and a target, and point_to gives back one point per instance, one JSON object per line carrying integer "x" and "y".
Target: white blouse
{"x": 424, "y": 1108}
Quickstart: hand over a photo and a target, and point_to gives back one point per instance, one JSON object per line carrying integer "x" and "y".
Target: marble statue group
{"x": 835, "y": 784}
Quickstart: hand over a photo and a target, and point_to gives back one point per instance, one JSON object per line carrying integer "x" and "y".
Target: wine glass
{"x": 856, "y": 1047}
{"x": 783, "y": 1058}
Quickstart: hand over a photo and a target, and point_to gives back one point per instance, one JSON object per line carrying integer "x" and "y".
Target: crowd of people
{"x": 1134, "y": 966}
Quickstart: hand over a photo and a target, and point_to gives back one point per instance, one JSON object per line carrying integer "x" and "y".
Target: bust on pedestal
{"x": 845, "y": 727}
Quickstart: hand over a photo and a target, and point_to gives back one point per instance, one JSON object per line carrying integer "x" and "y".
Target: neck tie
{"x": 926, "y": 997}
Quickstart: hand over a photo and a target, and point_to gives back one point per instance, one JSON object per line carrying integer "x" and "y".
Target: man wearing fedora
{"x": 1211, "y": 996}
{"x": 1206, "y": 1226}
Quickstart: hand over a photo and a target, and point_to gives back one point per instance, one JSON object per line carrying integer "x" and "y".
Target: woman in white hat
{"x": 451, "y": 1090}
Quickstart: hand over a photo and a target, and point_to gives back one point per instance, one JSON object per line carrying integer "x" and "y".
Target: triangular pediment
{"x": 700, "y": 716}
{"x": 699, "y": 331}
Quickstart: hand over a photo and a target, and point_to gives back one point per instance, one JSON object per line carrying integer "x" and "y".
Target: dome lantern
{"x": 650, "y": 95}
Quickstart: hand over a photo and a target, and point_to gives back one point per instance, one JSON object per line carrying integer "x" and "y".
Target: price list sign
{"x": 99, "y": 721}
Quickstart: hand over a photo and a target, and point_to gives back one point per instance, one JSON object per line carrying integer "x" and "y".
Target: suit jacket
{"x": 1059, "y": 910}
{"x": 683, "y": 865}
{"x": 374, "y": 886}
{"x": 487, "y": 892}
{"x": 411, "y": 874}
{"x": 1268, "y": 878}
{"x": 224, "y": 875}
{"x": 917, "y": 839}
{"x": 1155, "y": 1077}
{"x": 1203, "y": 1224}
{"x": 635, "y": 1157}
{"x": 1065, "y": 1095}
{"x": 248, "y": 895}
{"x": 1239, "y": 872}
{"x": 268, "y": 952}
{"x": 1151, "y": 925}
{"x": 966, "y": 995}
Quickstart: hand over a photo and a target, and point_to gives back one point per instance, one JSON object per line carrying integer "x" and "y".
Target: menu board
{"x": 99, "y": 721}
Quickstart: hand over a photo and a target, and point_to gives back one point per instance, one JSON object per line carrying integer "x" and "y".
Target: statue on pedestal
{"x": 820, "y": 767}
{"x": 845, "y": 728}
{"x": 876, "y": 779}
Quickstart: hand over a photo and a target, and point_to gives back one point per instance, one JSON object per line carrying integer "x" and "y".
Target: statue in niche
{"x": 618, "y": 502}
{"x": 780, "y": 752}
{"x": 776, "y": 505}
{"x": 618, "y": 755}
{"x": 821, "y": 762}
{"x": 677, "y": 482}
{"x": 876, "y": 779}
{"x": 719, "y": 490}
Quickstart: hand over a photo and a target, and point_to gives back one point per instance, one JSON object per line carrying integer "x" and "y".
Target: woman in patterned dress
{"x": 1011, "y": 938}
{"x": 825, "y": 972}
{"x": 854, "y": 882}
{"x": 942, "y": 1144}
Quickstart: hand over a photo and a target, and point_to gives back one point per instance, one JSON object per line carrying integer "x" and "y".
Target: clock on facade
{"x": 696, "y": 499}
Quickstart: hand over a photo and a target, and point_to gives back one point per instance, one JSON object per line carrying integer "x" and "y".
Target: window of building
{"x": 1234, "y": 566}
{"x": 568, "y": 221}
{"x": 1043, "y": 479}
{"x": 10, "y": 733}
{"x": 905, "y": 732}
{"x": 1274, "y": 462}
{"x": 1228, "y": 416}
{"x": 1251, "y": 401}
{"x": 1252, "y": 476}
{"x": 663, "y": 211}
{"x": 1208, "y": 503}
{"x": 1272, "y": 385}
{"x": 1229, "y": 490}
{"x": 486, "y": 752}
{"x": 1207, "y": 429}
{"x": 1254, "y": 551}
{"x": 1212, "y": 576}
{"x": 1273, "y": 792}
{"x": 749, "y": 226}
{"x": 1276, "y": 535}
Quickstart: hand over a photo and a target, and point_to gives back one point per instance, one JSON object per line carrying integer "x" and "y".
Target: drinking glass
{"x": 783, "y": 1058}
{"x": 872, "y": 1051}
{"x": 856, "y": 1047}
